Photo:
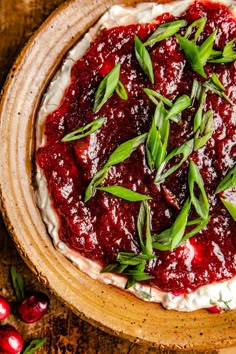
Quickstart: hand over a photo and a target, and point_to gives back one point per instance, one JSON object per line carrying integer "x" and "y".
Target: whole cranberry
{"x": 11, "y": 341}
{"x": 4, "y": 308}
{"x": 33, "y": 307}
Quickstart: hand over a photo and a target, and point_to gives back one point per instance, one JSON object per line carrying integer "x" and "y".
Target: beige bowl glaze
{"x": 111, "y": 309}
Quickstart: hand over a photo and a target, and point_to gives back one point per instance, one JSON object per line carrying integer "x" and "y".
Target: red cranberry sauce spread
{"x": 106, "y": 225}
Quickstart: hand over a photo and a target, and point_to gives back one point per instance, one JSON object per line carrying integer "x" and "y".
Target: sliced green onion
{"x": 143, "y": 223}
{"x": 196, "y": 92}
{"x": 227, "y": 56}
{"x": 124, "y": 151}
{"x": 129, "y": 258}
{"x": 206, "y": 47}
{"x": 205, "y": 130}
{"x": 121, "y": 91}
{"x": 230, "y": 207}
{"x": 144, "y": 59}
{"x": 212, "y": 87}
{"x": 151, "y": 94}
{"x": 200, "y": 203}
{"x": 192, "y": 55}
{"x": 198, "y": 24}
{"x": 34, "y": 345}
{"x": 157, "y": 138}
{"x": 179, "y": 106}
{"x": 106, "y": 88}
{"x": 164, "y": 31}
{"x": 228, "y": 182}
{"x": 200, "y": 226}
{"x": 216, "y": 81}
{"x": 172, "y": 237}
{"x": 119, "y": 155}
{"x": 184, "y": 150}
{"x": 124, "y": 193}
{"x": 96, "y": 180}
{"x": 84, "y": 131}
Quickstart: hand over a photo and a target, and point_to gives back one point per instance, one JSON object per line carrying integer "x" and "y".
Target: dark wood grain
{"x": 65, "y": 332}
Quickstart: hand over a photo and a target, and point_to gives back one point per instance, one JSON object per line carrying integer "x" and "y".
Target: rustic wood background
{"x": 65, "y": 332}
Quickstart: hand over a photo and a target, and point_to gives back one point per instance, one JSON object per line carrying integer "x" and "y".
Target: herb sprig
{"x": 18, "y": 284}
{"x": 34, "y": 345}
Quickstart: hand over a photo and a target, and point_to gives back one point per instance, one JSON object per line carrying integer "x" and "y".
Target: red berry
{"x": 4, "y": 308}
{"x": 11, "y": 341}
{"x": 33, "y": 307}
{"x": 214, "y": 309}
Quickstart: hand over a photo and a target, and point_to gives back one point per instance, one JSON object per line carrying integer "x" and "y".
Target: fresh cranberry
{"x": 4, "y": 308}
{"x": 11, "y": 341}
{"x": 33, "y": 307}
{"x": 214, "y": 309}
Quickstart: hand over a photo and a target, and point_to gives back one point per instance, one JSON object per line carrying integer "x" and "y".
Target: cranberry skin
{"x": 4, "y": 308}
{"x": 11, "y": 342}
{"x": 33, "y": 307}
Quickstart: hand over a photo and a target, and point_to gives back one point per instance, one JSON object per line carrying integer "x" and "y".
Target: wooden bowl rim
{"x": 104, "y": 306}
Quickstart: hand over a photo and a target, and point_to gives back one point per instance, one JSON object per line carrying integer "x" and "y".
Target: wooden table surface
{"x": 65, "y": 332}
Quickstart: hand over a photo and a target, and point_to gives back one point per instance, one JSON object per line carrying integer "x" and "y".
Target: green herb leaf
{"x": 96, "y": 180}
{"x": 172, "y": 237}
{"x": 18, "y": 284}
{"x": 200, "y": 203}
{"x": 143, "y": 58}
{"x": 198, "y": 24}
{"x": 192, "y": 55}
{"x": 227, "y": 56}
{"x": 230, "y": 207}
{"x": 125, "y": 150}
{"x": 179, "y": 106}
{"x": 228, "y": 182}
{"x": 184, "y": 150}
{"x": 205, "y": 130}
{"x": 84, "y": 131}
{"x": 157, "y": 138}
{"x": 121, "y": 91}
{"x": 106, "y": 88}
{"x": 151, "y": 94}
{"x": 34, "y": 345}
{"x": 124, "y": 193}
{"x": 164, "y": 31}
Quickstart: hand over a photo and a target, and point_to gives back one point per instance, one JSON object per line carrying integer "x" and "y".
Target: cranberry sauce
{"x": 105, "y": 225}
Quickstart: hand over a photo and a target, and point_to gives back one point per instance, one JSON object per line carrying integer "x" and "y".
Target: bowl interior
{"x": 105, "y": 306}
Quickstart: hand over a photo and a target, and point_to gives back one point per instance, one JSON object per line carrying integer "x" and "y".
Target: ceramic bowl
{"x": 111, "y": 309}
